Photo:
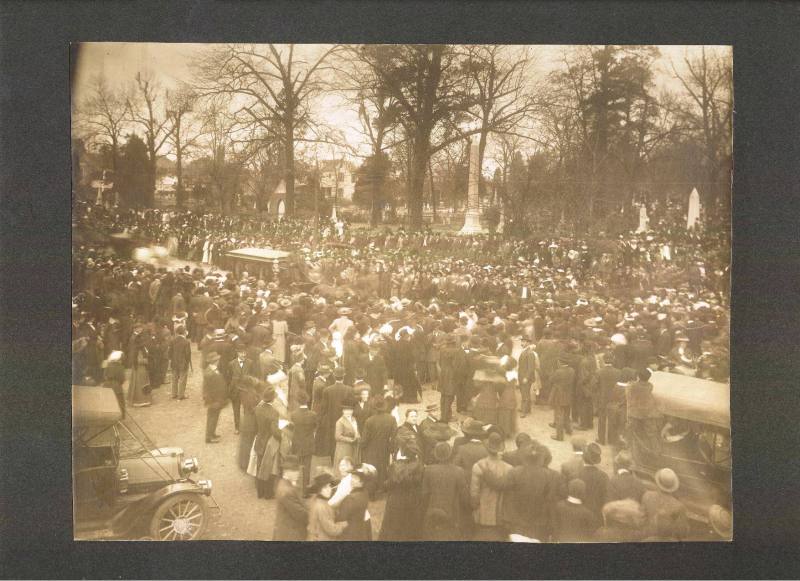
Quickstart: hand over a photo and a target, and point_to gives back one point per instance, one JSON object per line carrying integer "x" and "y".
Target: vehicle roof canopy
{"x": 259, "y": 254}
{"x": 94, "y": 407}
{"x": 693, "y": 399}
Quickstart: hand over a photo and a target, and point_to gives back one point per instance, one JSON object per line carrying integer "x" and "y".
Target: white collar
{"x": 578, "y": 453}
{"x": 573, "y": 500}
{"x": 303, "y": 407}
{"x": 623, "y": 471}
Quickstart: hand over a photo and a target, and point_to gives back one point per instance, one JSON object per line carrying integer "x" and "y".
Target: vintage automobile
{"x": 124, "y": 486}
{"x": 694, "y": 440}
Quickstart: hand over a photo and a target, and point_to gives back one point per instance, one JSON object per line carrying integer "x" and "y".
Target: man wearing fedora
{"x": 473, "y": 449}
{"x": 305, "y": 424}
{"x": 624, "y": 483}
{"x": 215, "y": 396}
{"x": 663, "y": 502}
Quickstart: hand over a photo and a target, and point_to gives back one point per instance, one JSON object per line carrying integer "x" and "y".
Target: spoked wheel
{"x": 182, "y": 517}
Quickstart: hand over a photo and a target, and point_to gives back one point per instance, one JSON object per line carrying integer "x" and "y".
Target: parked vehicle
{"x": 695, "y": 440}
{"x": 124, "y": 486}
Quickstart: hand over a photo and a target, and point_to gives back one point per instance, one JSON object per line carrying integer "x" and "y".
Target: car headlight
{"x": 190, "y": 465}
{"x": 205, "y": 486}
{"x": 122, "y": 480}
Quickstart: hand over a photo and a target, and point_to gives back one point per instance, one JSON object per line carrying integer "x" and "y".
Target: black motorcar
{"x": 125, "y": 487}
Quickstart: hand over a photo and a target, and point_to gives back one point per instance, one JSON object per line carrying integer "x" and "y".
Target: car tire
{"x": 182, "y": 517}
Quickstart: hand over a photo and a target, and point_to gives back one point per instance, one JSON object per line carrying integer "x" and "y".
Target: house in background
{"x": 337, "y": 179}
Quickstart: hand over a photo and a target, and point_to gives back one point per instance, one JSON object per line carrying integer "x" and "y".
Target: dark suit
{"x": 215, "y": 396}
{"x": 305, "y": 426}
{"x": 562, "y": 386}
{"x": 236, "y": 373}
{"x": 376, "y": 373}
{"x": 362, "y": 413}
{"x": 330, "y": 411}
{"x": 530, "y": 492}
{"x": 607, "y": 378}
{"x": 377, "y": 443}
{"x": 181, "y": 360}
{"x": 291, "y": 513}
{"x": 468, "y": 453}
{"x": 452, "y": 363}
{"x": 596, "y": 489}
{"x": 353, "y": 510}
{"x": 445, "y": 487}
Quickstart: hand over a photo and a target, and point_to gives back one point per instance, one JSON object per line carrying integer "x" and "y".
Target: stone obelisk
{"x": 472, "y": 219}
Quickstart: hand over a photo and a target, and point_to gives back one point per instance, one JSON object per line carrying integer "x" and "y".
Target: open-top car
{"x": 694, "y": 440}
{"x": 124, "y": 486}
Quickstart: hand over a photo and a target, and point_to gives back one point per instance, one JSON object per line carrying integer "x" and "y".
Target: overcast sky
{"x": 171, "y": 62}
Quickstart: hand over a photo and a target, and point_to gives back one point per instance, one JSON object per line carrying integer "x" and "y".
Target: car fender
{"x": 141, "y": 509}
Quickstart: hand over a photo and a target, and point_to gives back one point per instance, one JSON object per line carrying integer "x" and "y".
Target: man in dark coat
{"x": 375, "y": 371}
{"x": 472, "y": 450}
{"x": 595, "y": 479}
{"x": 608, "y": 396}
{"x": 180, "y": 356}
{"x": 530, "y": 493}
{"x": 624, "y": 483}
{"x": 452, "y": 361}
{"x": 215, "y": 396}
{"x": 305, "y": 425}
{"x": 291, "y": 513}
{"x": 238, "y": 370}
{"x": 377, "y": 442}
{"x": 572, "y": 521}
{"x": 445, "y": 487}
{"x": 432, "y": 430}
{"x": 330, "y": 411}
{"x": 562, "y": 385}
{"x": 409, "y": 431}
{"x": 522, "y": 441}
{"x": 405, "y": 373}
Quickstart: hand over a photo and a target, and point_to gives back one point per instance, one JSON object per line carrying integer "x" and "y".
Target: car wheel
{"x": 182, "y": 517}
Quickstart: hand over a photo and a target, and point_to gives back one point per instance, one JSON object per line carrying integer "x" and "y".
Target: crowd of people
{"x": 316, "y": 373}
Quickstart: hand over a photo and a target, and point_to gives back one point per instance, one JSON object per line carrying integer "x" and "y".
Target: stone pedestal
{"x": 472, "y": 219}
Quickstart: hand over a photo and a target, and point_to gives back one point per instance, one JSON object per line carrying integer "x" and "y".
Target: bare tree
{"x": 429, "y": 85}
{"x": 708, "y": 83}
{"x": 274, "y": 88}
{"x": 499, "y": 77}
{"x": 145, "y": 107}
{"x": 103, "y": 116}
{"x": 182, "y": 135}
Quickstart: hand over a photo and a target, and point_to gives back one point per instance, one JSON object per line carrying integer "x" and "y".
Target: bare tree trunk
{"x": 289, "y": 171}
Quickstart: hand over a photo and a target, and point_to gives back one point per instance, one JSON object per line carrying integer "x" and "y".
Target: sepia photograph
{"x": 401, "y": 292}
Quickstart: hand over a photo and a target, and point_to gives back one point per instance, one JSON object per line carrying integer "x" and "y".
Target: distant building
{"x": 337, "y": 179}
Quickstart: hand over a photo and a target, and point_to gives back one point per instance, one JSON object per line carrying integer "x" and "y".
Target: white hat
{"x": 115, "y": 356}
{"x": 619, "y": 339}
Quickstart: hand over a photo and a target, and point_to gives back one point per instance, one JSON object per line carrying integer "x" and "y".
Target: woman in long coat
{"x": 507, "y": 405}
{"x": 279, "y": 329}
{"x": 402, "y": 519}
{"x": 139, "y": 386}
{"x": 346, "y": 436}
{"x": 267, "y": 444}
{"x": 487, "y": 401}
{"x": 352, "y": 354}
